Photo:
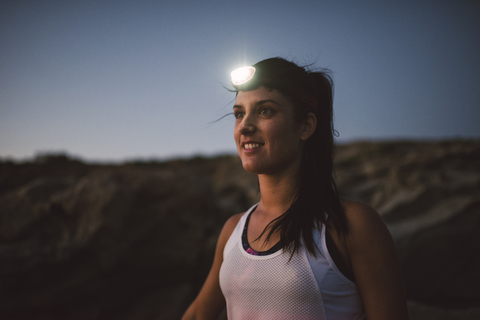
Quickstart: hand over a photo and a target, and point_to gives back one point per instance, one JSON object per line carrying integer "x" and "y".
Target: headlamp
{"x": 242, "y": 75}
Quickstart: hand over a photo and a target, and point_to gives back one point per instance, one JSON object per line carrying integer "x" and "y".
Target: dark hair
{"x": 317, "y": 196}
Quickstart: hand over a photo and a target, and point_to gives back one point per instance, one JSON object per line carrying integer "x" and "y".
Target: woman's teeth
{"x": 252, "y": 146}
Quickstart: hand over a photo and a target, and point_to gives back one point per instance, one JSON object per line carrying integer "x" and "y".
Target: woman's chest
{"x": 273, "y": 283}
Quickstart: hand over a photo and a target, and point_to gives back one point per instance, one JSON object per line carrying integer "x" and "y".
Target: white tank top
{"x": 272, "y": 287}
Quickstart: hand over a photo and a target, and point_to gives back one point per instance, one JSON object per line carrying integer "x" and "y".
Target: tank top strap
{"x": 236, "y": 235}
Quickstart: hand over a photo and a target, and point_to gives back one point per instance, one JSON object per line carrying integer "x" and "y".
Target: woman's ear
{"x": 308, "y": 126}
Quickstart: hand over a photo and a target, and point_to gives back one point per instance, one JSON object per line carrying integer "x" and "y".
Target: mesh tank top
{"x": 272, "y": 287}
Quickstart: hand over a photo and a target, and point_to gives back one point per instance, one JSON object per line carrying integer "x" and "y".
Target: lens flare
{"x": 242, "y": 75}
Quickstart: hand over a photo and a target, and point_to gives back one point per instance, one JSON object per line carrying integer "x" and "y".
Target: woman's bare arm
{"x": 210, "y": 301}
{"x": 375, "y": 264}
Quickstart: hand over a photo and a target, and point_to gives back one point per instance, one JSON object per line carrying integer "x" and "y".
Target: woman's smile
{"x": 250, "y": 146}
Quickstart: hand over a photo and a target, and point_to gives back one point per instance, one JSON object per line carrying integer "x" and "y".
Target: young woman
{"x": 301, "y": 252}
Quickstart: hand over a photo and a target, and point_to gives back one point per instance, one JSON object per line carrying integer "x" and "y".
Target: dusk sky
{"x": 123, "y": 80}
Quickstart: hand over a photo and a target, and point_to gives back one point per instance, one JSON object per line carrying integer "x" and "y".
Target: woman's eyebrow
{"x": 265, "y": 101}
{"x": 258, "y": 103}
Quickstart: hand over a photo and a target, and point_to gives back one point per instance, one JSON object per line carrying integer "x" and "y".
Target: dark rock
{"x": 135, "y": 241}
{"x": 113, "y": 238}
{"x": 418, "y": 311}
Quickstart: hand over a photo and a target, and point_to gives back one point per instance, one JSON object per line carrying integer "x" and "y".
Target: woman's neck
{"x": 277, "y": 192}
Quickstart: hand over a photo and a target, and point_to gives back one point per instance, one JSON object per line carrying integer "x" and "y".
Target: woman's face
{"x": 269, "y": 139}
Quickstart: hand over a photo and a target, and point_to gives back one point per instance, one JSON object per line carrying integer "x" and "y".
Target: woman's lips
{"x": 250, "y": 146}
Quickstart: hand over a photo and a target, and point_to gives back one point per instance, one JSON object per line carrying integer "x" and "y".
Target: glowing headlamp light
{"x": 242, "y": 75}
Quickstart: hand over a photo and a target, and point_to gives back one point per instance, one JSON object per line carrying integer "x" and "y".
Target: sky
{"x": 125, "y": 80}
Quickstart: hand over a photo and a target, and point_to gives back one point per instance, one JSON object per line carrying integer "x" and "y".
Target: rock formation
{"x": 429, "y": 196}
{"x": 136, "y": 240}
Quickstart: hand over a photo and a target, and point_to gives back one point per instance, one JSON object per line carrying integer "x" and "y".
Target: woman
{"x": 301, "y": 252}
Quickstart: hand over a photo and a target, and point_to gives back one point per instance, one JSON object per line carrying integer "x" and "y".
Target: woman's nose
{"x": 247, "y": 126}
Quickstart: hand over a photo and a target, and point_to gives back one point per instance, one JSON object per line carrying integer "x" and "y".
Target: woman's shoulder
{"x": 359, "y": 213}
{"x": 228, "y": 228}
{"x": 365, "y": 226}
{"x": 232, "y": 222}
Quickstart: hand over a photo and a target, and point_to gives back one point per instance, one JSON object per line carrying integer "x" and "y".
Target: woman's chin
{"x": 254, "y": 168}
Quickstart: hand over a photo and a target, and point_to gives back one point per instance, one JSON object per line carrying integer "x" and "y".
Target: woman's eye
{"x": 238, "y": 115}
{"x": 265, "y": 111}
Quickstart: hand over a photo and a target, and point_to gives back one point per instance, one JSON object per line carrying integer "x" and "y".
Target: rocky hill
{"x": 135, "y": 241}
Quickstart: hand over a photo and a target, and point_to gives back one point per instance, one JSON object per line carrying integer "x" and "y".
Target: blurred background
{"x": 114, "y": 182}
